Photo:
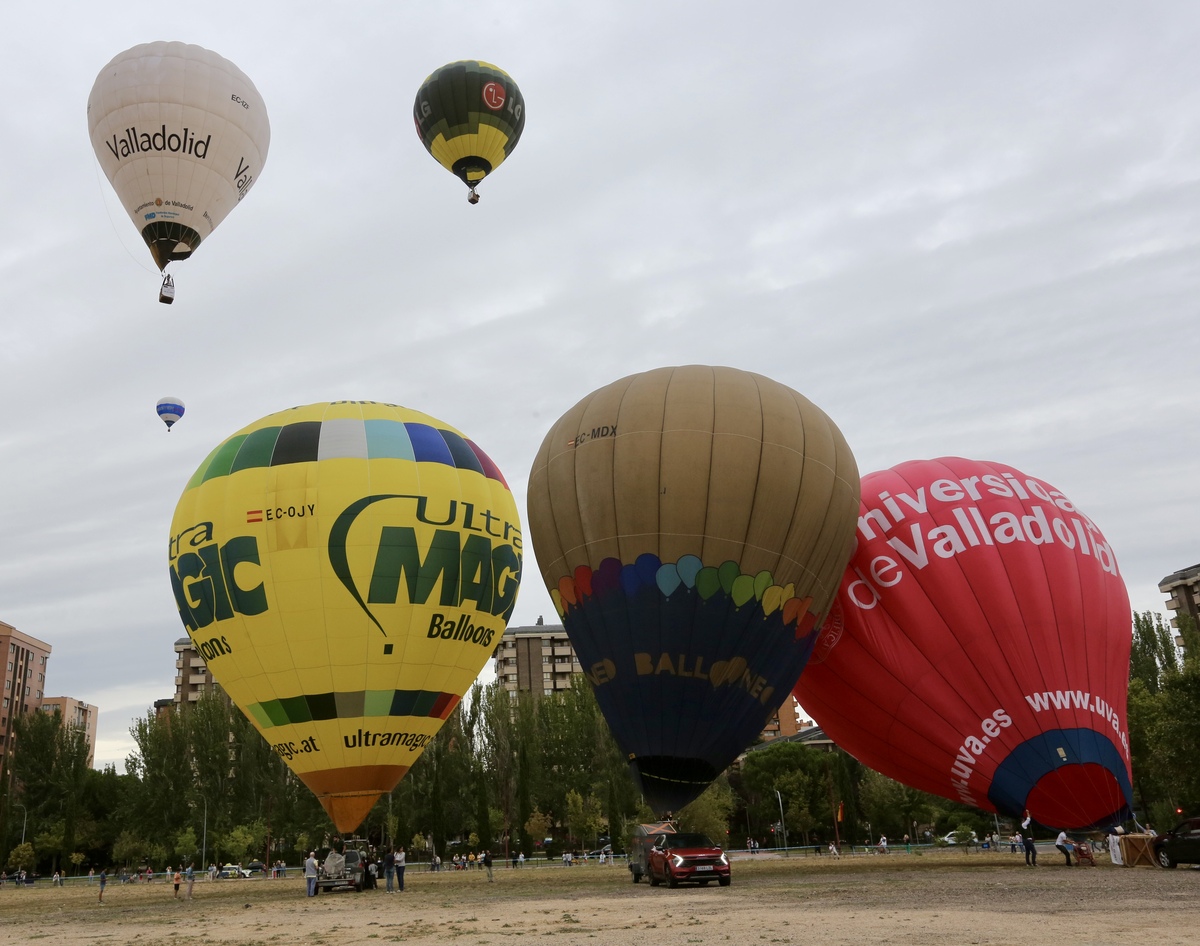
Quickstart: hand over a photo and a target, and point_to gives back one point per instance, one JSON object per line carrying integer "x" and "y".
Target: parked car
{"x": 952, "y": 838}
{"x": 1180, "y": 845}
{"x": 234, "y": 870}
{"x": 256, "y": 867}
{"x": 687, "y": 858}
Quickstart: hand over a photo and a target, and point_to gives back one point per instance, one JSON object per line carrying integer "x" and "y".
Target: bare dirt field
{"x": 936, "y": 898}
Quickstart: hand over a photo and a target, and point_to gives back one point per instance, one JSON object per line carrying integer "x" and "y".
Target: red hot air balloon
{"x": 979, "y": 645}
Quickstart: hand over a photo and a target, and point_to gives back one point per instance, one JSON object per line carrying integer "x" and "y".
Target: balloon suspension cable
{"x": 472, "y": 197}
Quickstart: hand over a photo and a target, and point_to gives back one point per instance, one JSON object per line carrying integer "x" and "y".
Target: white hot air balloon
{"x": 170, "y": 409}
{"x": 182, "y": 135}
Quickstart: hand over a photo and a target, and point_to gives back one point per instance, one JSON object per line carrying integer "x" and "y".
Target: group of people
{"x": 392, "y": 864}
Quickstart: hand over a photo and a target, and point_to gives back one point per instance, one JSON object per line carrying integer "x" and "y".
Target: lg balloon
{"x": 469, "y": 115}
{"x": 691, "y": 525}
{"x": 346, "y": 570}
{"x": 979, "y": 649}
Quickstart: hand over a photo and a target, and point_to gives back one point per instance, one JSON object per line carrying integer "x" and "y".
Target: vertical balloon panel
{"x": 346, "y": 570}
{"x": 668, "y": 510}
{"x": 979, "y": 648}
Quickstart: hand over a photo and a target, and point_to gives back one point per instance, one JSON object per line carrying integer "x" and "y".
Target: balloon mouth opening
{"x": 668, "y": 783}
{"x": 169, "y": 241}
{"x": 1066, "y": 778}
{"x": 1077, "y": 797}
{"x": 471, "y": 170}
{"x": 348, "y": 794}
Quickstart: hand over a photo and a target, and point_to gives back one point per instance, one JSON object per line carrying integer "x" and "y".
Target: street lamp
{"x": 782, "y": 823}
{"x": 24, "y": 821}
{"x": 204, "y": 835}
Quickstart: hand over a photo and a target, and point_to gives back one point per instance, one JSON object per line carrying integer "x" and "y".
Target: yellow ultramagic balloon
{"x": 346, "y": 569}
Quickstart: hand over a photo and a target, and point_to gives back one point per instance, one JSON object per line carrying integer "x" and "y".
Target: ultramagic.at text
{"x": 1053, "y": 521}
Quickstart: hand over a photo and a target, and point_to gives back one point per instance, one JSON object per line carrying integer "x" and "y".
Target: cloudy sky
{"x": 958, "y": 231}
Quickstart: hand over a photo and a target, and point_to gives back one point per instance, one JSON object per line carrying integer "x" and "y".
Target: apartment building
{"x": 75, "y": 713}
{"x": 192, "y": 677}
{"x": 24, "y": 675}
{"x": 539, "y": 658}
{"x": 1183, "y": 596}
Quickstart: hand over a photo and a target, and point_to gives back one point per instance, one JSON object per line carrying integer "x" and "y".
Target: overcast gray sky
{"x": 959, "y": 231}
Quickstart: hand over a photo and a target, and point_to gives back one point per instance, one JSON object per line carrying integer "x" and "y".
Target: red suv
{"x": 679, "y": 858}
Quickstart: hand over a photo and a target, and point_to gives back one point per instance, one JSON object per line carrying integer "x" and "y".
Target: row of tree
{"x": 534, "y": 773}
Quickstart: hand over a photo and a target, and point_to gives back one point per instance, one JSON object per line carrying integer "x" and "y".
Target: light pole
{"x": 204, "y": 835}
{"x": 24, "y": 821}
{"x": 782, "y": 824}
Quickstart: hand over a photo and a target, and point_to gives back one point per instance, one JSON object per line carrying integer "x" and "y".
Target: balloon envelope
{"x": 170, "y": 409}
{"x": 182, "y": 135}
{"x": 691, "y": 525}
{"x": 979, "y": 648}
{"x": 469, "y": 115}
{"x": 346, "y": 570}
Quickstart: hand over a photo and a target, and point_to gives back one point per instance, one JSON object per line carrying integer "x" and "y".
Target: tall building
{"x": 192, "y": 676}
{"x": 538, "y": 658}
{"x": 1183, "y": 596}
{"x": 24, "y": 673}
{"x": 785, "y": 722}
{"x": 75, "y": 713}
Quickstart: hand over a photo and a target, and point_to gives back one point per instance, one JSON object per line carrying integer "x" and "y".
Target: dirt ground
{"x": 936, "y": 898}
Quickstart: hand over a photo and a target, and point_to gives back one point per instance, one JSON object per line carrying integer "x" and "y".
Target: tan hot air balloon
{"x": 692, "y": 525}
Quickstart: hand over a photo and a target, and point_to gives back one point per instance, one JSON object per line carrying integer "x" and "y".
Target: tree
{"x": 22, "y": 857}
{"x": 709, "y": 814}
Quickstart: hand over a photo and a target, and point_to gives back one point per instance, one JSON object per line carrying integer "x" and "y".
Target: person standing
{"x": 91, "y": 874}
{"x": 1063, "y": 843}
{"x": 191, "y": 880}
{"x": 310, "y": 873}
{"x": 1027, "y": 841}
{"x": 400, "y": 864}
{"x": 176, "y": 879}
{"x": 389, "y": 870}
{"x": 486, "y": 859}
{"x": 103, "y": 881}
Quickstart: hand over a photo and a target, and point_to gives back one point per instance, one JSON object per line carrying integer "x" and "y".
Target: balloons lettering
{"x": 979, "y": 647}
{"x": 691, "y": 525}
{"x": 346, "y": 569}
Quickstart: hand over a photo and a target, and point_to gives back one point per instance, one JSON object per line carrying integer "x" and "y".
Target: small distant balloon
{"x": 170, "y": 409}
{"x": 469, "y": 115}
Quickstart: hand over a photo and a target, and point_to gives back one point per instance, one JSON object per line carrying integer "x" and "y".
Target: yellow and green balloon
{"x": 469, "y": 115}
{"x": 346, "y": 570}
